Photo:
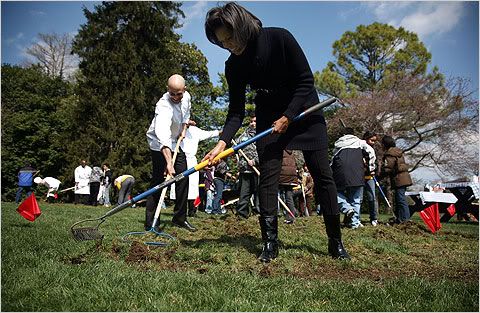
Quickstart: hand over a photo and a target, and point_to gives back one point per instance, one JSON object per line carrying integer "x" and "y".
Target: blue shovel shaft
{"x": 222, "y": 155}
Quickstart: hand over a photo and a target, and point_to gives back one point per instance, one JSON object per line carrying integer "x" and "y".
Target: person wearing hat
{"x": 51, "y": 183}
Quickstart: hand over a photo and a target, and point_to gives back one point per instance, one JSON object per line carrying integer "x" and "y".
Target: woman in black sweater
{"x": 273, "y": 64}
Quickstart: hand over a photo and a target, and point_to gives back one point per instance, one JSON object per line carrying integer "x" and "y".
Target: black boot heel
{"x": 269, "y": 228}
{"x": 335, "y": 244}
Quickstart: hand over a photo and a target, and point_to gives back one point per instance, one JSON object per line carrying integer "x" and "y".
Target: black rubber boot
{"x": 269, "y": 227}
{"x": 335, "y": 244}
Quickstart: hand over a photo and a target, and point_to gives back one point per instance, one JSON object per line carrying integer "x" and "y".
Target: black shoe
{"x": 185, "y": 225}
{"x": 155, "y": 229}
{"x": 269, "y": 252}
{"x": 337, "y": 250}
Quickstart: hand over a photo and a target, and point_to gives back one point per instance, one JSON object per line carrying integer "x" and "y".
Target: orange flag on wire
{"x": 451, "y": 209}
{"x": 431, "y": 217}
{"x": 197, "y": 202}
{"x": 29, "y": 208}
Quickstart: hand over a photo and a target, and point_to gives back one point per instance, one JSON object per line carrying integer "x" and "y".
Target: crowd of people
{"x": 92, "y": 185}
{"x": 270, "y": 184}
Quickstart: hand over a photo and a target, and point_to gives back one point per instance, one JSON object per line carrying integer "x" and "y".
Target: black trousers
{"x": 317, "y": 162}
{"x": 94, "y": 188}
{"x": 181, "y": 188}
{"x": 248, "y": 187}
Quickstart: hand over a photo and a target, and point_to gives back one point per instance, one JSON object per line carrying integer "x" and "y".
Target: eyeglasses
{"x": 173, "y": 94}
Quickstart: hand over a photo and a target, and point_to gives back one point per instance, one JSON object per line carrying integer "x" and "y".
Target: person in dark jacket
{"x": 25, "y": 181}
{"x": 288, "y": 179}
{"x": 221, "y": 174}
{"x": 248, "y": 179}
{"x": 95, "y": 179}
{"x": 348, "y": 173}
{"x": 273, "y": 64}
{"x": 396, "y": 169}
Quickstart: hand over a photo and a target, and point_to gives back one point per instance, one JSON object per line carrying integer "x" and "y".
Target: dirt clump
{"x": 266, "y": 271}
{"x": 138, "y": 253}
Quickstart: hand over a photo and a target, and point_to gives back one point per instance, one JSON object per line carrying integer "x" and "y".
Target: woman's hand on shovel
{"x": 219, "y": 148}
{"x": 280, "y": 126}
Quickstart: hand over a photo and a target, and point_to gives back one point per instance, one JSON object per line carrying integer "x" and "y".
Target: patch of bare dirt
{"x": 310, "y": 264}
{"x": 77, "y": 260}
{"x": 138, "y": 253}
{"x": 412, "y": 228}
{"x": 235, "y": 227}
{"x": 306, "y": 267}
{"x": 266, "y": 271}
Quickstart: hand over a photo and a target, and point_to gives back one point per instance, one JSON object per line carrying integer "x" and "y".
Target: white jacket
{"x": 166, "y": 126}
{"x": 193, "y": 136}
{"x": 353, "y": 142}
{"x": 82, "y": 179}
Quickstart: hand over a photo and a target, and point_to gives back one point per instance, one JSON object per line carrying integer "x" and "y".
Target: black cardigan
{"x": 275, "y": 66}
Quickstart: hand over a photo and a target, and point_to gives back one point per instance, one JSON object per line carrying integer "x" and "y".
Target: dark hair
{"x": 243, "y": 24}
{"x": 388, "y": 142}
{"x": 348, "y": 131}
{"x": 368, "y": 134}
{"x": 106, "y": 164}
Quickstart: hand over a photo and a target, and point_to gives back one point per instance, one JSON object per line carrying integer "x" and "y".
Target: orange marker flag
{"x": 197, "y": 202}
{"x": 29, "y": 208}
{"x": 431, "y": 217}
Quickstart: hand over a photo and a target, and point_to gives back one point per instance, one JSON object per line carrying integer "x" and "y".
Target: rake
{"x": 92, "y": 233}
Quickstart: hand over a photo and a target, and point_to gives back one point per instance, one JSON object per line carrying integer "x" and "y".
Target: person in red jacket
{"x": 272, "y": 63}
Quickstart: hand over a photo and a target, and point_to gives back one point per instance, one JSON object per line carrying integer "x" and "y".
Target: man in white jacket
{"x": 51, "y": 183}
{"x": 82, "y": 180}
{"x": 348, "y": 172}
{"x": 172, "y": 114}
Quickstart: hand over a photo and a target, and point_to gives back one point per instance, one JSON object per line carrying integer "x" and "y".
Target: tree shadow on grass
{"x": 306, "y": 248}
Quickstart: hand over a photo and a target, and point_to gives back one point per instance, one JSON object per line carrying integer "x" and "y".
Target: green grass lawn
{"x": 401, "y": 268}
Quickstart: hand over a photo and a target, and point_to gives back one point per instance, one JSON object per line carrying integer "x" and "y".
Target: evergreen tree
{"x": 32, "y": 127}
{"x": 128, "y": 50}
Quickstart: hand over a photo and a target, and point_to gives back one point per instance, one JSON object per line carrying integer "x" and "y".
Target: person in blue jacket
{"x": 25, "y": 181}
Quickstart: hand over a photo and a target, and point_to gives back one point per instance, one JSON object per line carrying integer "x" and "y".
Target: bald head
{"x": 176, "y": 88}
{"x": 176, "y": 82}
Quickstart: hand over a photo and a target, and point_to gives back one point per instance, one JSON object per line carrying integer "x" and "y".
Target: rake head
{"x": 86, "y": 233}
{"x": 156, "y": 240}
